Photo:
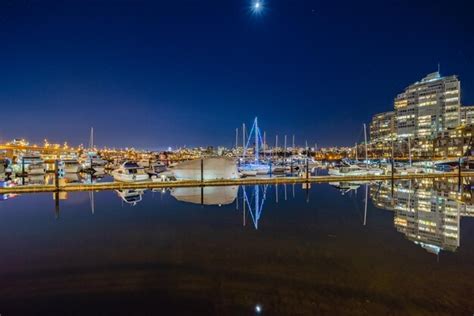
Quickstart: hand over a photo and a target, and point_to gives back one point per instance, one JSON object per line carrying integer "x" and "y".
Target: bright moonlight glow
{"x": 257, "y": 7}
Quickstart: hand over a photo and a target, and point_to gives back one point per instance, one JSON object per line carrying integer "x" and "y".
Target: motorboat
{"x": 354, "y": 170}
{"x": 31, "y": 165}
{"x": 155, "y": 168}
{"x": 71, "y": 166}
{"x": 130, "y": 172}
{"x": 248, "y": 173}
{"x": 253, "y": 169}
{"x": 131, "y": 196}
{"x": 345, "y": 187}
{"x": 72, "y": 178}
{"x": 92, "y": 162}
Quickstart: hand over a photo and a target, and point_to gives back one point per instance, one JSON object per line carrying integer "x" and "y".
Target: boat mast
{"x": 236, "y": 138}
{"x": 366, "y": 154}
{"x": 366, "y": 199}
{"x": 91, "y": 140}
{"x": 264, "y": 143}
{"x": 276, "y": 147}
{"x": 256, "y": 141}
{"x": 357, "y": 155}
{"x": 243, "y": 141}
{"x": 286, "y": 148}
{"x": 293, "y": 148}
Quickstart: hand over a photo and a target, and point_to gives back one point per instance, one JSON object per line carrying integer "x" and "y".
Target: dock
{"x": 103, "y": 186}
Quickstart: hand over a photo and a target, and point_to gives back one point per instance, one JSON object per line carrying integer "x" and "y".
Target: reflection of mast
{"x": 92, "y": 200}
{"x": 243, "y": 202}
{"x": 284, "y": 185}
{"x": 256, "y": 210}
{"x": 276, "y": 193}
{"x": 366, "y": 198}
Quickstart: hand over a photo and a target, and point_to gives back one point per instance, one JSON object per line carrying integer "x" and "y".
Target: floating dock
{"x": 101, "y": 186}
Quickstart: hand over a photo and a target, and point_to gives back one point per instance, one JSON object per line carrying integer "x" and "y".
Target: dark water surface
{"x": 303, "y": 252}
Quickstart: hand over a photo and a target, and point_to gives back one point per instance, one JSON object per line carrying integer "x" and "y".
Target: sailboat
{"x": 255, "y": 167}
{"x": 91, "y": 161}
{"x": 350, "y": 169}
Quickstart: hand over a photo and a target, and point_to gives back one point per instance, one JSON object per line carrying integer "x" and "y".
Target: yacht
{"x": 91, "y": 161}
{"x": 130, "y": 172}
{"x": 3, "y": 168}
{"x": 248, "y": 173}
{"x": 155, "y": 168}
{"x": 253, "y": 169}
{"x": 345, "y": 187}
{"x": 131, "y": 196}
{"x": 354, "y": 170}
{"x": 71, "y": 166}
{"x": 31, "y": 165}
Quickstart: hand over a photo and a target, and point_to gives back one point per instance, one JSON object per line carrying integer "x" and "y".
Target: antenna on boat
{"x": 264, "y": 143}
{"x": 366, "y": 152}
{"x": 236, "y": 138}
{"x": 257, "y": 151}
{"x": 293, "y": 147}
{"x": 243, "y": 141}
{"x": 91, "y": 140}
{"x": 276, "y": 146}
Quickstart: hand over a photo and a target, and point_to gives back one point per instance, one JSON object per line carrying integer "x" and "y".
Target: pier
{"x": 103, "y": 186}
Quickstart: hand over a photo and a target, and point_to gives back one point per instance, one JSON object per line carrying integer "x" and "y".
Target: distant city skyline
{"x": 155, "y": 74}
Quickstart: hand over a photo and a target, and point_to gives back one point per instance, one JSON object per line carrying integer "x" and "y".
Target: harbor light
{"x": 258, "y": 308}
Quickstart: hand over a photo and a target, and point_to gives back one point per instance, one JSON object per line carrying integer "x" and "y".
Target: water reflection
{"x": 427, "y": 211}
{"x": 131, "y": 196}
{"x": 180, "y": 247}
{"x": 224, "y": 195}
{"x": 253, "y": 202}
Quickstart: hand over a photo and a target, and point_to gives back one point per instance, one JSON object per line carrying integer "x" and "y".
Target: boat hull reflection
{"x": 206, "y": 195}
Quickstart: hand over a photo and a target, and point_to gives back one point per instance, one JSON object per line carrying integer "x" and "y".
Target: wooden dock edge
{"x": 102, "y": 186}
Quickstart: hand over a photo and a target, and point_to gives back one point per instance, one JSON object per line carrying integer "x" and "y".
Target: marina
{"x": 239, "y": 247}
{"x": 246, "y": 157}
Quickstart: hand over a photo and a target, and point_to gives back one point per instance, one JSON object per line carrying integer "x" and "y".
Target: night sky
{"x": 153, "y": 74}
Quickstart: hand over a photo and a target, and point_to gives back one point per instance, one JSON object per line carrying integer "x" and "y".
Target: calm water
{"x": 288, "y": 251}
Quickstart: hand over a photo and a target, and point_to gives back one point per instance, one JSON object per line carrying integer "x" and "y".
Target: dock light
{"x": 258, "y": 308}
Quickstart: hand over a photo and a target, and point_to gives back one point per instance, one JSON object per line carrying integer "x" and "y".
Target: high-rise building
{"x": 382, "y": 127}
{"x": 382, "y": 134}
{"x": 428, "y": 106}
{"x": 467, "y": 115}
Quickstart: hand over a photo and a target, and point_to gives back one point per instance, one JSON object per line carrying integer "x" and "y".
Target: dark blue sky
{"x": 166, "y": 73}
